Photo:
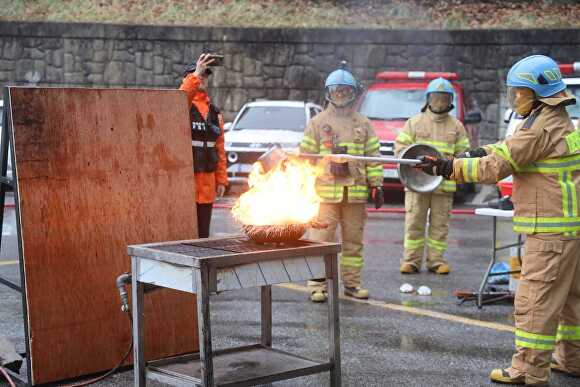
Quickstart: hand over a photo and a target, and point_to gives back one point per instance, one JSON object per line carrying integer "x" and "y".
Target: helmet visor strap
{"x": 439, "y": 102}
{"x": 521, "y": 99}
{"x": 340, "y": 95}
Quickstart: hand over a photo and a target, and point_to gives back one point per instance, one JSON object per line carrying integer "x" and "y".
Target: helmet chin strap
{"x": 344, "y": 109}
{"x": 446, "y": 110}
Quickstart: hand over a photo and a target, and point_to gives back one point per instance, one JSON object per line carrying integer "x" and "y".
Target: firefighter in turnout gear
{"x": 344, "y": 186}
{"x": 436, "y": 127}
{"x": 207, "y": 141}
{"x": 543, "y": 155}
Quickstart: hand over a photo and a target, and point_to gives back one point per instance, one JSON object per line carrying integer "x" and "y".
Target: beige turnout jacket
{"x": 442, "y": 131}
{"x": 543, "y": 155}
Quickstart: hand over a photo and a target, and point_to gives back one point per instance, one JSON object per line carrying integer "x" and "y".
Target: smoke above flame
{"x": 285, "y": 195}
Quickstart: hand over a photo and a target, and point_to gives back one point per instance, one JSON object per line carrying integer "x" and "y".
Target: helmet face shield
{"x": 439, "y": 102}
{"x": 521, "y": 99}
{"x": 340, "y": 95}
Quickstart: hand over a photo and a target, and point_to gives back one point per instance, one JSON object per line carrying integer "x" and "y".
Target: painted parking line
{"x": 416, "y": 311}
{"x": 8, "y": 263}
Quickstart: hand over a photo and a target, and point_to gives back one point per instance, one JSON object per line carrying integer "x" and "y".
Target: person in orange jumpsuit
{"x": 207, "y": 140}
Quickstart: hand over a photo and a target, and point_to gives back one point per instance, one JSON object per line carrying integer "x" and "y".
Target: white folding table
{"x": 495, "y": 214}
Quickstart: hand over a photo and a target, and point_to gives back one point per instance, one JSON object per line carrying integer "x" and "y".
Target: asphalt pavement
{"x": 391, "y": 340}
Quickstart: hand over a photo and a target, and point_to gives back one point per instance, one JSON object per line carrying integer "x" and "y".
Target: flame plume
{"x": 285, "y": 195}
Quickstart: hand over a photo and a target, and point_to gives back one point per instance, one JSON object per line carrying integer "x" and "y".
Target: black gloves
{"x": 436, "y": 167}
{"x": 478, "y": 152}
{"x": 378, "y": 196}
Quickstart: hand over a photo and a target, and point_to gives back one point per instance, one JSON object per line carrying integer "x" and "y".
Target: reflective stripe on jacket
{"x": 442, "y": 131}
{"x": 543, "y": 155}
{"x": 333, "y": 128}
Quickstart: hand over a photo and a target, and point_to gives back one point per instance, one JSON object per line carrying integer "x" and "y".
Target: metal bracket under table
{"x": 206, "y": 266}
{"x": 495, "y": 248}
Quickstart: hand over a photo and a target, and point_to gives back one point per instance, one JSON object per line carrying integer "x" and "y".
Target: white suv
{"x": 258, "y": 126}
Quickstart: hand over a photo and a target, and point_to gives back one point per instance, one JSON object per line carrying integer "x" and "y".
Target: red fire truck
{"x": 396, "y": 96}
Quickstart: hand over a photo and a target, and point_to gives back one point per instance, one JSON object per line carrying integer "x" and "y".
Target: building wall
{"x": 269, "y": 63}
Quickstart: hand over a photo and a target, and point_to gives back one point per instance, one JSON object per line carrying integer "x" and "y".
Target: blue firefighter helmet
{"x": 537, "y": 72}
{"x": 440, "y": 85}
{"x": 439, "y": 96}
{"x": 341, "y": 87}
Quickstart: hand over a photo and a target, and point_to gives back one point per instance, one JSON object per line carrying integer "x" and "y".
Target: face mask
{"x": 521, "y": 100}
{"x": 439, "y": 102}
{"x": 341, "y": 95}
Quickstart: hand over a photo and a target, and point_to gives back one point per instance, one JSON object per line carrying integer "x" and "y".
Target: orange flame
{"x": 284, "y": 195}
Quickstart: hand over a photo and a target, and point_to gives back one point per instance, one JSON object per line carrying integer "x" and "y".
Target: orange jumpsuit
{"x": 206, "y": 182}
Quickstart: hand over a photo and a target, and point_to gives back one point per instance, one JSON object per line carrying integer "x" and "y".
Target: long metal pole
{"x": 369, "y": 159}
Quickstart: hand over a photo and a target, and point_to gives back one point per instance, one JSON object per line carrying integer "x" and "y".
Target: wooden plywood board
{"x": 99, "y": 169}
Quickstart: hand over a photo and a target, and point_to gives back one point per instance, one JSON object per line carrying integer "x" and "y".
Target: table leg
{"x": 266, "y": 307}
{"x": 205, "y": 350}
{"x": 333, "y": 319}
{"x": 491, "y": 263}
{"x": 139, "y": 367}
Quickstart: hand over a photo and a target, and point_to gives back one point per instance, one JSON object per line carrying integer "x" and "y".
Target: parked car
{"x": 258, "y": 126}
{"x": 513, "y": 119}
{"x": 396, "y": 96}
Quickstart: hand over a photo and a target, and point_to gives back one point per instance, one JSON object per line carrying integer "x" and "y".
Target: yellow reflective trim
{"x": 306, "y": 139}
{"x": 561, "y": 164}
{"x": 437, "y": 245}
{"x": 469, "y": 169}
{"x": 573, "y": 141}
{"x": 524, "y": 343}
{"x": 351, "y": 145}
{"x": 503, "y": 151}
{"x": 307, "y": 148}
{"x": 448, "y": 186}
{"x": 568, "y": 333}
{"x": 352, "y": 261}
{"x": 569, "y": 196}
{"x": 404, "y": 138}
{"x": 441, "y": 146}
{"x": 546, "y": 225}
{"x": 462, "y": 145}
{"x": 534, "y": 341}
{"x": 414, "y": 244}
{"x": 353, "y": 148}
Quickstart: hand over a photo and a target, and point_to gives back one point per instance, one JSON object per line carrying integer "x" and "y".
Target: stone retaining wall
{"x": 269, "y": 63}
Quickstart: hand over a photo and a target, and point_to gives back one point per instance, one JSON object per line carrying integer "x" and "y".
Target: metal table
{"x": 495, "y": 213}
{"x": 207, "y": 266}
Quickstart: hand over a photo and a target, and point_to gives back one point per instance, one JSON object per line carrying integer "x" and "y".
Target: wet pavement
{"x": 392, "y": 340}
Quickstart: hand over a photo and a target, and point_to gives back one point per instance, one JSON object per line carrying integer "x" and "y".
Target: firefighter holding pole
{"x": 543, "y": 155}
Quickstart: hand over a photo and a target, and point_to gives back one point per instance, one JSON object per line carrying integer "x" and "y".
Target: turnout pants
{"x": 547, "y": 308}
{"x": 352, "y": 218}
{"x": 417, "y": 206}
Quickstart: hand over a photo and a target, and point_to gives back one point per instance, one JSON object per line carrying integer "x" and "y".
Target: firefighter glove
{"x": 474, "y": 153}
{"x": 378, "y": 196}
{"x": 435, "y": 166}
